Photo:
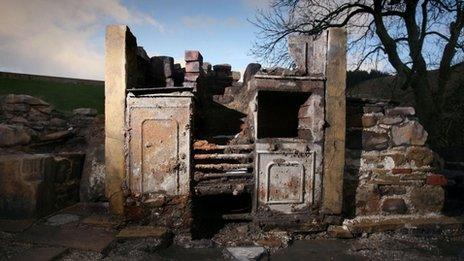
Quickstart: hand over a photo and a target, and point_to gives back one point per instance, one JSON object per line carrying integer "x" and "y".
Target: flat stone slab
{"x": 382, "y": 224}
{"x": 61, "y": 219}
{"x": 40, "y": 254}
{"x": 246, "y": 253}
{"x": 15, "y": 225}
{"x": 100, "y": 221}
{"x": 72, "y": 236}
{"x": 142, "y": 232}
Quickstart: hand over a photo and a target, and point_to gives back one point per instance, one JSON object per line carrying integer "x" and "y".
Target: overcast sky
{"x": 66, "y": 37}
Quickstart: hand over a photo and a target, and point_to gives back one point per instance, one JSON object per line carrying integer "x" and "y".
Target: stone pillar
{"x": 334, "y": 147}
{"x": 120, "y": 60}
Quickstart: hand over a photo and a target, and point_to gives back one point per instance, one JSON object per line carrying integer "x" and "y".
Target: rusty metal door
{"x": 160, "y": 155}
{"x": 285, "y": 181}
{"x": 159, "y": 144}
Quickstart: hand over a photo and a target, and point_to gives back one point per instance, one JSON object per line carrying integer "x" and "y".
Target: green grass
{"x": 63, "y": 96}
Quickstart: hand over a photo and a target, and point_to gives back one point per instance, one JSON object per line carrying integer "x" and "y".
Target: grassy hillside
{"x": 63, "y": 96}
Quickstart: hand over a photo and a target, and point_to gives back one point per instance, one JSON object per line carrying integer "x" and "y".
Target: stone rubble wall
{"x": 35, "y": 185}
{"x": 30, "y": 126}
{"x": 389, "y": 168}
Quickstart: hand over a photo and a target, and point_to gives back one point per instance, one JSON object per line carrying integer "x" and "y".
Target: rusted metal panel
{"x": 285, "y": 180}
{"x": 158, "y": 144}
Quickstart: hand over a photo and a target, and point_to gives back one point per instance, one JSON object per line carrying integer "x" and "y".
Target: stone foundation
{"x": 389, "y": 169}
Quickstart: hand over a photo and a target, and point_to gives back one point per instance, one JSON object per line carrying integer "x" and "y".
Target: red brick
{"x": 437, "y": 180}
{"x": 401, "y": 171}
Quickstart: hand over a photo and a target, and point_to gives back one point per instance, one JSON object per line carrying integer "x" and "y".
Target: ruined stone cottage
{"x": 284, "y": 148}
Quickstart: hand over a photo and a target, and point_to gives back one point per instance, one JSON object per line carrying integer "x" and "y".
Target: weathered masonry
{"x": 188, "y": 145}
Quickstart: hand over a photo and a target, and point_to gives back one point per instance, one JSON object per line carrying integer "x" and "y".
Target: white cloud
{"x": 61, "y": 37}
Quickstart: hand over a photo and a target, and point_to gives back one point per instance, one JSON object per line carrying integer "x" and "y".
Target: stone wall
{"x": 389, "y": 168}
{"x": 30, "y": 126}
{"x": 34, "y": 185}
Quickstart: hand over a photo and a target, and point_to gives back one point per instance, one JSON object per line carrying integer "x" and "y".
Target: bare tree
{"x": 414, "y": 36}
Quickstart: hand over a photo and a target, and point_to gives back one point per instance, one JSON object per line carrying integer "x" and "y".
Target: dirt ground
{"x": 88, "y": 233}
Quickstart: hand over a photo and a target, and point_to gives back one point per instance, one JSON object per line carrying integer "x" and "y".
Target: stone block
{"x": 427, "y": 199}
{"x": 190, "y": 84}
{"x": 394, "y": 206}
{"x": 339, "y": 232}
{"x": 207, "y": 67}
{"x": 14, "y": 98}
{"x": 410, "y": 133}
{"x": 31, "y": 185}
{"x": 367, "y": 200}
{"x": 193, "y": 67}
{"x": 305, "y": 134}
{"x": 420, "y": 156}
{"x": 391, "y": 190}
{"x": 374, "y": 141}
{"x": 236, "y": 76}
{"x": 16, "y": 107}
{"x": 309, "y": 52}
{"x": 391, "y": 120}
{"x": 369, "y": 121}
{"x": 226, "y": 68}
{"x": 12, "y": 135}
{"x": 250, "y": 71}
{"x": 162, "y": 66}
{"x": 191, "y": 55}
{"x": 402, "y": 111}
{"x": 191, "y": 77}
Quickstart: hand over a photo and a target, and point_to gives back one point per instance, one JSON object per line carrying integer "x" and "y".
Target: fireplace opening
{"x": 278, "y": 113}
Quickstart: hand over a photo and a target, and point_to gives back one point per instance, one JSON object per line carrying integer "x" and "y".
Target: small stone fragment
{"x": 339, "y": 232}
{"x": 61, "y": 219}
{"x": 246, "y": 253}
{"x": 90, "y": 112}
